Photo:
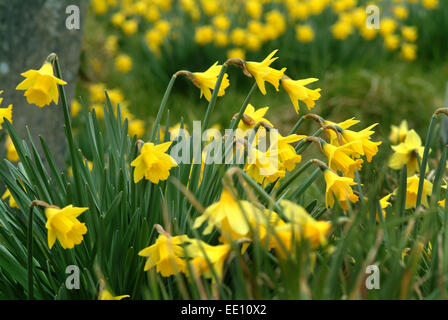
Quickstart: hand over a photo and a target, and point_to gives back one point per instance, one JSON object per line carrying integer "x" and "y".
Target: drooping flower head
{"x": 362, "y": 144}
{"x": 412, "y": 190}
{"x": 407, "y": 153}
{"x": 286, "y": 152}
{"x": 62, "y": 224}
{"x": 41, "y": 85}
{"x": 339, "y": 188}
{"x": 230, "y": 216}
{"x": 263, "y": 72}
{"x": 251, "y": 117}
{"x": 153, "y": 163}
{"x": 339, "y": 158}
{"x": 166, "y": 254}
{"x": 398, "y": 133}
{"x": 298, "y": 92}
{"x": 206, "y": 81}
{"x": 199, "y": 252}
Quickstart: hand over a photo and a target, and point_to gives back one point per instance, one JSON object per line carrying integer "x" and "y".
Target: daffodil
{"x": 200, "y": 252}
{"x": 251, "y": 117}
{"x": 5, "y": 112}
{"x": 298, "y": 92}
{"x": 287, "y": 153}
{"x": 412, "y": 190}
{"x": 107, "y": 295}
{"x": 41, "y": 85}
{"x": 123, "y": 63}
{"x": 62, "y": 224}
{"x": 229, "y": 216}
{"x": 384, "y": 203}
{"x": 362, "y": 144}
{"x": 301, "y": 226}
{"x": 339, "y": 159}
{"x": 398, "y": 133}
{"x": 153, "y": 163}
{"x": 166, "y": 254}
{"x": 12, "y": 202}
{"x": 206, "y": 81}
{"x": 263, "y": 72}
{"x": 11, "y": 152}
{"x": 339, "y": 188}
{"x": 407, "y": 153}
{"x": 265, "y": 167}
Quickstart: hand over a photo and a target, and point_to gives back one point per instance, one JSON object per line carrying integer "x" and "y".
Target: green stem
{"x": 212, "y": 102}
{"x": 296, "y": 126}
{"x": 235, "y": 121}
{"x": 162, "y": 107}
{"x": 30, "y": 253}
{"x": 425, "y": 160}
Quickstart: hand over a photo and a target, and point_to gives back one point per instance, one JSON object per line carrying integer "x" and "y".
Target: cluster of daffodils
{"x": 240, "y": 26}
{"x": 234, "y": 218}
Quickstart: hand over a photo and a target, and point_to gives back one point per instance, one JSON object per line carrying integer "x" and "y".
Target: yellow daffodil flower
{"x": 339, "y": 159}
{"x": 207, "y": 80}
{"x": 200, "y": 252}
{"x": 297, "y": 91}
{"x": 41, "y": 85}
{"x": 166, "y": 254}
{"x": 153, "y": 163}
{"x": 339, "y": 188}
{"x": 412, "y": 189}
{"x": 63, "y": 225}
{"x": 398, "y": 133}
{"x": 12, "y": 202}
{"x": 262, "y": 72}
{"x": 406, "y": 153}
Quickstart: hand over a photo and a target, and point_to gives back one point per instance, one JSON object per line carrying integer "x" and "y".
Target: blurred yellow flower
{"x": 341, "y": 30}
{"x": 392, "y": 41}
{"x": 238, "y": 36}
{"x": 200, "y": 252}
{"x": 130, "y": 27}
{"x": 409, "y": 51}
{"x": 123, "y": 63}
{"x": 304, "y": 33}
{"x": 362, "y": 144}
{"x": 387, "y": 26}
{"x": 136, "y": 127}
{"x": 204, "y": 35}
{"x": 153, "y": 163}
{"x": 401, "y": 12}
{"x": 221, "y": 22}
{"x": 63, "y": 225}
{"x": 430, "y": 4}
{"x": 262, "y": 72}
{"x": 75, "y": 108}
{"x": 409, "y": 33}
{"x": 398, "y": 134}
{"x": 41, "y": 85}
{"x": 412, "y": 189}
{"x": 236, "y": 53}
{"x": 254, "y": 8}
{"x": 406, "y": 153}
